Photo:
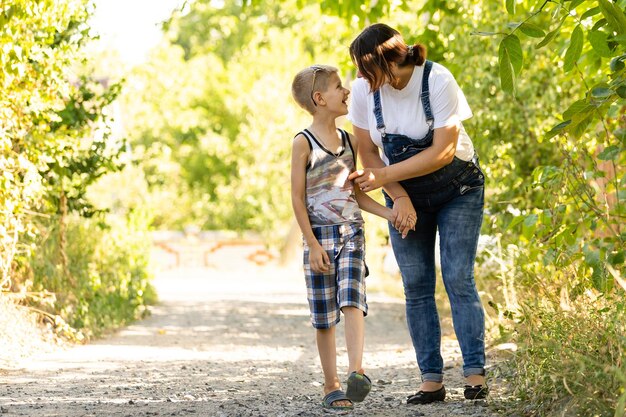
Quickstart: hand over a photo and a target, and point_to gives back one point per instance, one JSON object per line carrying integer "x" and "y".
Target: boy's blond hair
{"x": 309, "y": 80}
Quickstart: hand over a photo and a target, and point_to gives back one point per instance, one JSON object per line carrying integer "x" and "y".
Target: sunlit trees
{"x": 214, "y": 106}
{"x": 54, "y": 143}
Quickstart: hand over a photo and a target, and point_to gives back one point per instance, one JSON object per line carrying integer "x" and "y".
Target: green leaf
{"x": 531, "y": 30}
{"x": 614, "y": 16}
{"x": 599, "y": 25}
{"x": 599, "y": 42}
{"x": 575, "y": 4}
{"x": 601, "y": 92}
{"x": 599, "y": 278}
{"x": 531, "y": 220}
{"x": 621, "y": 39}
{"x": 620, "y": 410}
{"x": 617, "y": 63}
{"x": 609, "y": 153}
{"x": 510, "y": 6}
{"x": 529, "y": 225}
{"x": 516, "y": 220}
{"x": 506, "y": 69}
{"x": 621, "y": 91}
{"x": 620, "y": 134}
{"x": 580, "y": 123}
{"x": 580, "y": 106}
{"x": 514, "y": 49}
{"x": 591, "y": 12}
{"x": 617, "y": 258}
{"x": 548, "y": 38}
{"x": 557, "y": 129}
{"x": 574, "y": 50}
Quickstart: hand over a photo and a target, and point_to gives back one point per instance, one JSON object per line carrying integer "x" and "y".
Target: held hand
{"x": 391, "y": 217}
{"x": 410, "y": 225}
{"x": 368, "y": 179}
{"x": 405, "y": 215}
{"x": 318, "y": 258}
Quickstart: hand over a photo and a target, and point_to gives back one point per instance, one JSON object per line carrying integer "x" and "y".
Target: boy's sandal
{"x": 359, "y": 385}
{"x": 475, "y": 392}
{"x": 335, "y": 396}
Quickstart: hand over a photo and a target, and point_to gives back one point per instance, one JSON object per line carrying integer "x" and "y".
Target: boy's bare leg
{"x": 355, "y": 337}
{"x": 328, "y": 357}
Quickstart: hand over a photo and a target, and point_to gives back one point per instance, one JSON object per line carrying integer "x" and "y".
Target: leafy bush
{"x": 107, "y": 283}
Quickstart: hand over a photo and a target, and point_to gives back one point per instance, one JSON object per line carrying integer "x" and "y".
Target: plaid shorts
{"x": 344, "y": 283}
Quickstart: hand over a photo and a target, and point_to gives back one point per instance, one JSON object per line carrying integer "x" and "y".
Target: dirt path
{"x": 233, "y": 340}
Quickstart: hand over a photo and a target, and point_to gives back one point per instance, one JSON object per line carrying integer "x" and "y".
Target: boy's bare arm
{"x": 370, "y": 205}
{"x": 318, "y": 257}
{"x": 402, "y": 207}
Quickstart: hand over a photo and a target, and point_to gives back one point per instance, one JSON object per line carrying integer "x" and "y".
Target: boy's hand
{"x": 407, "y": 227}
{"x": 318, "y": 259}
{"x": 405, "y": 216}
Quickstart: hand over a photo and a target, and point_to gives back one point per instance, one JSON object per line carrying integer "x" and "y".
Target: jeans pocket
{"x": 475, "y": 181}
{"x": 464, "y": 189}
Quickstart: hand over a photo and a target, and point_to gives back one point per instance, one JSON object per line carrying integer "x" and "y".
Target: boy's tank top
{"x": 330, "y": 196}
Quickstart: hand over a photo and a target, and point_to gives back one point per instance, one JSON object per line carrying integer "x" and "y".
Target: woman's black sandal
{"x": 475, "y": 392}
{"x": 427, "y": 397}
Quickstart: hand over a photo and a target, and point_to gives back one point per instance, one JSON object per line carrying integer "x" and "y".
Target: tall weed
{"x": 571, "y": 362}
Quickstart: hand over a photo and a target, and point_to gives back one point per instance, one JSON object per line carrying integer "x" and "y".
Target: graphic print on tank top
{"x": 330, "y": 196}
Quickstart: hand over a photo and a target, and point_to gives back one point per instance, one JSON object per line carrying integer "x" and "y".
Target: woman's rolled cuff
{"x": 473, "y": 371}
{"x": 432, "y": 377}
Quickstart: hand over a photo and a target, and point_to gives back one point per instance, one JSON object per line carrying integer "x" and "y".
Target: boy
{"x": 327, "y": 208}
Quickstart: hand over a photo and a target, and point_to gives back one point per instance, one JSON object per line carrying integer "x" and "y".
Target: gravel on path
{"x": 233, "y": 340}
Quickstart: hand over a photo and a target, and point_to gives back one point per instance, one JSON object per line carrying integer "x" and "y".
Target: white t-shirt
{"x": 403, "y": 112}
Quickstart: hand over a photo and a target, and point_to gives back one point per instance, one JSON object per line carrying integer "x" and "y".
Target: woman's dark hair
{"x": 377, "y": 47}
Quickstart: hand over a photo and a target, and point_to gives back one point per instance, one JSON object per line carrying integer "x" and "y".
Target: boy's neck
{"x": 323, "y": 124}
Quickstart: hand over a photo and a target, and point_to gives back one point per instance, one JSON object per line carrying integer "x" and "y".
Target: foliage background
{"x": 81, "y": 267}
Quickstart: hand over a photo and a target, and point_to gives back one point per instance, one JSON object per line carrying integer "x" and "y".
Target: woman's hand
{"x": 405, "y": 215}
{"x": 369, "y": 179}
{"x": 318, "y": 259}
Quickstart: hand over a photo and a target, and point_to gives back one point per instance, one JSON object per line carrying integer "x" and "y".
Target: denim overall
{"x": 449, "y": 201}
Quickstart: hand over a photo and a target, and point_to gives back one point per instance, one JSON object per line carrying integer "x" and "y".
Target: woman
{"x": 412, "y": 109}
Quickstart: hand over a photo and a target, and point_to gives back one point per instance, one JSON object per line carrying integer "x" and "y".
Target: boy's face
{"x": 336, "y": 95}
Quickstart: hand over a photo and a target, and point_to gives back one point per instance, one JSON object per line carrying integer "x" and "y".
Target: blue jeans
{"x": 450, "y": 201}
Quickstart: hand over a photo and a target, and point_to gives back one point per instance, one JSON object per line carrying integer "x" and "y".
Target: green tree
{"x": 54, "y": 143}
{"x": 219, "y": 137}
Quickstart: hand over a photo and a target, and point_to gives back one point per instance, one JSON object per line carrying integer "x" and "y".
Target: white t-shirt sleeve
{"x": 447, "y": 101}
{"x": 357, "y": 113}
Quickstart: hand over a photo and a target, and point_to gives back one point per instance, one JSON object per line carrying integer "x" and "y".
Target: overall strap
{"x": 425, "y": 97}
{"x": 378, "y": 113}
